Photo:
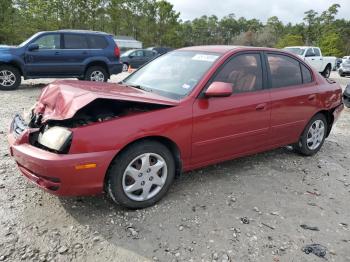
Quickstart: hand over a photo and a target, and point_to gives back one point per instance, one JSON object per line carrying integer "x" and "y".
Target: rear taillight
{"x": 117, "y": 51}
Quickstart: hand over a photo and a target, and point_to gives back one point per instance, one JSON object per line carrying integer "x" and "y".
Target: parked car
{"x": 136, "y": 58}
{"x": 313, "y": 55}
{"x": 87, "y": 55}
{"x": 161, "y": 50}
{"x": 345, "y": 58}
{"x": 338, "y": 62}
{"x": 132, "y": 138}
{"x": 346, "y": 96}
{"x": 344, "y": 69}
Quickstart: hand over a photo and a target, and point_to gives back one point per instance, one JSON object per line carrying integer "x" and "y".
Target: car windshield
{"x": 295, "y": 50}
{"x": 28, "y": 40}
{"x": 173, "y": 75}
{"x": 346, "y": 62}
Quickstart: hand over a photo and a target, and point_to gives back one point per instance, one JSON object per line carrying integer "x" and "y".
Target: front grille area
{"x": 18, "y": 125}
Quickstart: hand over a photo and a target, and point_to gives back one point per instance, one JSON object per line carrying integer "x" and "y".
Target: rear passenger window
{"x": 307, "y": 78}
{"x": 97, "y": 42}
{"x": 244, "y": 72}
{"x": 75, "y": 41}
{"x": 317, "y": 52}
{"x": 149, "y": 53}
{"x": 285, "y": 71}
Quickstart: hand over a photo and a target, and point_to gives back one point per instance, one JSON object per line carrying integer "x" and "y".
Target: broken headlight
{"x": 56, "y": 138}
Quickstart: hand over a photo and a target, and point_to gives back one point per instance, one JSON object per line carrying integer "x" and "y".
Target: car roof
{"x": 77, "y": 32}
{"x": 222, "y": 49}
{"x": 301, "y": 47}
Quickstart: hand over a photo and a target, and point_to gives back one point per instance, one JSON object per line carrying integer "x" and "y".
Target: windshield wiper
{"x": 136, "y": 86}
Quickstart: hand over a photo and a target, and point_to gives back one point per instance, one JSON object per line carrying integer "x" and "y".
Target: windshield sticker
{"x": 186, "y": 86}
{"x": 207, "y": 58}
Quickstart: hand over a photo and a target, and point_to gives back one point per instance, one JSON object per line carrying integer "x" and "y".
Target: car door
{"x": 137, "y": 59}
{"x": 45, "y": 60}
{"x": 293, "y": 95}
{"x": 318, "y": 59}
{"x": 310, "y": 57}
{"x": 75, "y": 52}
{"x": 224, "y": 127}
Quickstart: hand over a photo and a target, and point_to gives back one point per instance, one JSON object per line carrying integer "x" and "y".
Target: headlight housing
{"x": 56, "y": 138}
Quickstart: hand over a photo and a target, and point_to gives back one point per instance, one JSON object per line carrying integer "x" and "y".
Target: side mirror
{"x": 219, "y": 89}
{"x": 33, "y": 47}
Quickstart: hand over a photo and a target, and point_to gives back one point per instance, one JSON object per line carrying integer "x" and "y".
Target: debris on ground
{"x": 313, "y": 228}
{"x": 315, "y": 249}
{"x": 245, "y": 220}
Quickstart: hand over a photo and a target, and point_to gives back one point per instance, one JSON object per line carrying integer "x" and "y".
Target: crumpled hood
{"x": 63, "y": 98}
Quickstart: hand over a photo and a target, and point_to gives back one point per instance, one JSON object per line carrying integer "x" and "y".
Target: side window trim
{"x": 269, "y": 80}
{"x": 263, "y": 68}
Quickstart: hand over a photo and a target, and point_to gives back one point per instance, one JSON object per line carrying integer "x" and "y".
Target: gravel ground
{"x": 201, "y": 217}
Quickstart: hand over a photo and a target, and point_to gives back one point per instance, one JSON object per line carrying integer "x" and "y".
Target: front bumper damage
{"x": 57, "y": 173}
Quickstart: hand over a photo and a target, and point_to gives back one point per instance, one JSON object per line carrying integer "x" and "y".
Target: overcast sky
{"x": 286, "y": 10}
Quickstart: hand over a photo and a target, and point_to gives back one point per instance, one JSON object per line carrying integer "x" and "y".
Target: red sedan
{"x": 184, "y": 110}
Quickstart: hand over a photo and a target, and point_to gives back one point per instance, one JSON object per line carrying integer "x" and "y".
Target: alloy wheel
{"x": 144, "y": 177}
{"x": 7, "y": 78}
{"x": 97, "y": 76}
{"x": 315, "y": 135}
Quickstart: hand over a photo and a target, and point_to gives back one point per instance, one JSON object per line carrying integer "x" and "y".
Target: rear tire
{"x": 313, "y": 136}
{"x": 327, "y": 71}
{"x": 96, "y": 74}
{"x": 141, "y": 175}
{"x": 10, "y": 78}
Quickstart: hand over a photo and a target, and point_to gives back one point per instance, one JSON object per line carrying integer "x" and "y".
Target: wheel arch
{"x": 97, "y": 63}
{"x": 329, "y": 117}
{"x": 170, "y": 144}
{"x": 14, "y": 64}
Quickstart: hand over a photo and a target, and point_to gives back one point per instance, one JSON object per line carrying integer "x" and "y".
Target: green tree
{"x": 290, "y": 40}
{"x": 331, "y": 45}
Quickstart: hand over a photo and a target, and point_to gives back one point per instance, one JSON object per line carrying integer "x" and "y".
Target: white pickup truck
{"x": 313, "y": 56}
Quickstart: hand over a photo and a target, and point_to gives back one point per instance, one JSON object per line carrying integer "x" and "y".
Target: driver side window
{"x": 51, "y": 41}
{"x": 243, "y": 71}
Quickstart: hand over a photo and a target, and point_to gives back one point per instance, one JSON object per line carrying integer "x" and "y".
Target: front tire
{"x": 96, "y": 74}
{"x": 141, "y": 175}
{"x": 10, "y": 78}
{"x": 313, "y": 136}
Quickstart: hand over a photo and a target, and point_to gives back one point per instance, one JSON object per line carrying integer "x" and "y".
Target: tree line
{"x": 156, "y": 23}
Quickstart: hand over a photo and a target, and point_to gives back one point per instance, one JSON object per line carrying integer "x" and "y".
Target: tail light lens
{"x": 117, "y": 51}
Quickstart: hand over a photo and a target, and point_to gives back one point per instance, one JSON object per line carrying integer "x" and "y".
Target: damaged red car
{"x": 184, "y": 110}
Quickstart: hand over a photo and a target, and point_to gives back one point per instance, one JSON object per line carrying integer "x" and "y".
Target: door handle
{"x": 311, "y": 97}
{"x": 260, "y": 107}
{"x": 312, "y": 58}
{"x": 84, "y": 52}
{"x": 57, "y": 53}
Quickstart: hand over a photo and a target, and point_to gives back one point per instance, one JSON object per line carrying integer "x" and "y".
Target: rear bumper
{"x": 58, "y": 174}
{"x": 115, "y": 68}
{"x": 337, "y": 111}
